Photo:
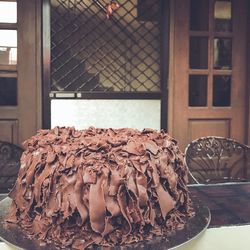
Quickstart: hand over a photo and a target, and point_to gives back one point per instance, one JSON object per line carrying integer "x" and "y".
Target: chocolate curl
{"x": 78, "y": 195}
{"x": 123, "y": 205}
{"x": 52, "y": 203}
{"x": 152, "y": 147}
{"x": 40, "y": 180}
{"x": 115, "y": 182}
{"x": 134, "y": 148}
{"x": 68, "y": 197}
{"x": 134, "y": 208}
{"x": 131, "y": 182}
{"x": 30, "y": 174}
{"x": 168, "y": 172}
{"x": 141, "y": 181}
{"x": 112, "y": 206}
{"x": 89, "y": 176}
{"x": 51, "y": 156}
{"x": 97, "y": 208}
{"x": 152, "y": 215}
{"x": 165, "y": 200}
{"x": 108, "y": 226}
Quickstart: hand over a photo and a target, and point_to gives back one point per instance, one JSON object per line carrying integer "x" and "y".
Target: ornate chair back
{"x": 216, "y": 159}
{"x": 10, "y": 155}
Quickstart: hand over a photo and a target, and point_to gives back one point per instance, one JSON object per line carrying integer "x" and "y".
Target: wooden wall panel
{"x": 29, "y": 66}
{"x": 205, "y": 127}
{"x": 9, "y": 131}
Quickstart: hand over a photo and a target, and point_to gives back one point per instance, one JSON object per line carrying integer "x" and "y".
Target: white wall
{"x": 106, "y": 113}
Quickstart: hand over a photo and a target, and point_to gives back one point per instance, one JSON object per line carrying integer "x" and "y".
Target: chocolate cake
{"x": 107, "y": 187}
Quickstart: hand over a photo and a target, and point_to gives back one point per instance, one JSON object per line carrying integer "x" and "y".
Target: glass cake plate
{"x": 13, "y": 235}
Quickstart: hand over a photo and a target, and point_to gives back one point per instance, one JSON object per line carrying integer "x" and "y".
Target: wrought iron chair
{"x": 216, "y": 159}
{"x": 10, "y": 155}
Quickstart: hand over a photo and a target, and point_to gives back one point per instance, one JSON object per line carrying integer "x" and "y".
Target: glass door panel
{"x": 210, "y": 53}
{"x": 198, "y": 53}
{"x": 223, "y": 15}
{"x": 222, "y": 53}
{"x": 197, "y": 91}
{"x": 221, "y": 91}
{"x": 199, "y": 15}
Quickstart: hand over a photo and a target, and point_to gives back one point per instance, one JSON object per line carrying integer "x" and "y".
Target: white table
{"x": 223, "y": 238}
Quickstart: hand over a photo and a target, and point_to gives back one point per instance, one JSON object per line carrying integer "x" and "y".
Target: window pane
{"x": 222, "y": 91}
{"x": 222, "y": 53}
{"x": 199, "y": 14}
{"x": 197, "y": 90}
{"x": 125, "y": 113}
{"x": 223, "y": 15}
{"x": 119, "y": 56}
{"x": 8, "y": 38}
{"x": 8, "y": 12}
{"x": 8, "y": 46}
{"x": 198, "y": 53}
{"x": 8, "y": 55}
{"x": 8, "y": 91}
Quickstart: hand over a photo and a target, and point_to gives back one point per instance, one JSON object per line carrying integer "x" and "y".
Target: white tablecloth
{"x": 223, "y": 238}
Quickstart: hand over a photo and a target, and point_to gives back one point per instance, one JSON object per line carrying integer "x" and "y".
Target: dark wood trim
{"x": 164, "y": 61}
{"x": 248, "y": 77}
{"x": 8, "y": 26}
{"x": 39, "y": 62}
{"x": 207, "y": 33}
{"x": 8, "y": 74}
{"x": 46, "y": 110}
{"x": 221, "y": 72}
{"x": 5, "y": 67}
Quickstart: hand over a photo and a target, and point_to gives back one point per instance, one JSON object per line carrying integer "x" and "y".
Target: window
{"x": 8, "y": 53}
{"x": 93, "y": 57}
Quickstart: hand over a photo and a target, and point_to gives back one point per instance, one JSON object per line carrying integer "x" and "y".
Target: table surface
{"x": 229, "y": 204}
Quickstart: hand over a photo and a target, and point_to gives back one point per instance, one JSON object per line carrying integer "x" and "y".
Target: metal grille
{"x": 92, "y": 53}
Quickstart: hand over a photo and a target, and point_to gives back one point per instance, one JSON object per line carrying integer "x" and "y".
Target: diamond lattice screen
{"x": 93, "y": 53}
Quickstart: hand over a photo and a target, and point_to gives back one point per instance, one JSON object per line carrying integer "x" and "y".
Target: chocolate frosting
{"x": 100, "y": 186}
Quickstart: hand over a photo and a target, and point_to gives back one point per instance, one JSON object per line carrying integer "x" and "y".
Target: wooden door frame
{"x": 172, "y": 71}
{"x": 22, "y": 120}
{"x": 29, "y": 67}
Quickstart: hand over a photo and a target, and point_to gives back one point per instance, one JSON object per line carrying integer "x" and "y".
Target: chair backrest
{"x": 216, "y": 159}
{"x": 10, "y": 155}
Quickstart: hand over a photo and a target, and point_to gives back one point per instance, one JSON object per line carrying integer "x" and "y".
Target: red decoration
{"x": 113, "y": 5}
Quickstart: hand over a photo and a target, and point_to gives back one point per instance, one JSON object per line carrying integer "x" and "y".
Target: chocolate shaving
{"x": 100, "y": 186}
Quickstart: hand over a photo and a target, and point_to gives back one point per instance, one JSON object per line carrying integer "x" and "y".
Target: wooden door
{"x": 19, "y": 70}
{"x": 209, "y": 70}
